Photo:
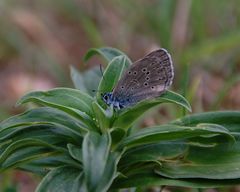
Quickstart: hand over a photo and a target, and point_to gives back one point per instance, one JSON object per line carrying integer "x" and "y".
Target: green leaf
{"x": 70, "y": 101}
{"x": 77, "y": 79}
{"x": 44, "y": 116}
{"x": 61, "y": 96}
{"x": 228, "y": 119}
{"x": 84, "y": 80}
{"x": 151, "y": 179}
{"x": 21, "y": 151}
{"x": 62, "y": 179}
{"x": 42, "y": 165}
{"x": 172, "y": 97}
{"x": 99, "y": 163}
{"x": 26, "y": 156}
{"x": 107, "y": 52}
{"x": 173, "y": 132}
{"x": 75, "y": 152}
{"x": 47, "y": 133}
{"x": 128, "y": 116}
{"x": 152, "y": 152}
{"x": 112, "y": 74}
{"x": 219, "y": 162}
{"x": 117, "y": 134}
{"x": 102, "y": 118}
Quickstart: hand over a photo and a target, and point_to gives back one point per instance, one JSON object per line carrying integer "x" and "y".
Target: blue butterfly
{"x": 146, "y": 78}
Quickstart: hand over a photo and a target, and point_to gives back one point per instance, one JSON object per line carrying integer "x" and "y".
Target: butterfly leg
{"x": 117, "y": 105}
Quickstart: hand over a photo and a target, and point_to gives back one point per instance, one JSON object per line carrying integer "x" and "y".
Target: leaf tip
{"x": 19, "y": 102}
{"x": 189, "y": 108}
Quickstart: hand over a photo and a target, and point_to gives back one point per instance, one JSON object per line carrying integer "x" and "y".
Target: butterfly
{"x": 146, "y": 78}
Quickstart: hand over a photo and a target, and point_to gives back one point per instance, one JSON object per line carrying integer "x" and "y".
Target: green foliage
{"x": 77, "y": 143}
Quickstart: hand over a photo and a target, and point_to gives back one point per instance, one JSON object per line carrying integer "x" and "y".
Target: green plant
{"x": 78, "y": 144}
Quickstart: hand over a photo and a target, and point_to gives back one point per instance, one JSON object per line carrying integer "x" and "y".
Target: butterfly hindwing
{"x": 146, "y": 78}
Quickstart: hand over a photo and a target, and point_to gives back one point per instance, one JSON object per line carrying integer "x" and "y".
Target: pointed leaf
{"x": 99, "y": 163}
{"x": 173, "y": 132}
{"x": 64, "y": 179}
{"x": 152, "y": 152}
{"x": 70, "y": 101}
{"x": 151, "y": 179}
{"x": 228, "y": 119}
{"x": 44, "y": 116}
{"x": 77, "y": 79}
{"x": 112, "y": 74}
{"x": 84, "y": 80}
{"x": 219, "y": 162}
{"x": 107, "y": 52}
{"x": 16, "y": 152}
{"x": 61, "y": 98}
{"x": 48, "y": 133}
{"x": 42, "y": 165}
{"x": 127, "y": 117}
{"x": 75, "y": 152}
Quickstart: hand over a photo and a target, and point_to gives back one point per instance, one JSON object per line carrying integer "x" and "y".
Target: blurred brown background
{"x": 39, "y": 40}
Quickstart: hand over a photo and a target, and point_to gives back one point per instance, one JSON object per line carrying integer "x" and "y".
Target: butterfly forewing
{"x": 146, "y": 78}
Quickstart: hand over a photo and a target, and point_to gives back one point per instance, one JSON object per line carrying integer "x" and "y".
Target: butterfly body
{"x": 146, "y": 78}
{"x": 109, "y": 99}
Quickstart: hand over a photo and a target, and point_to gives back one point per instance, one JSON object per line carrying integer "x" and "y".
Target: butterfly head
{"x": 107, "y": 98}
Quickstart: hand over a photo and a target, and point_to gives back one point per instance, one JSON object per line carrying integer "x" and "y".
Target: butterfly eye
{"x": 106, "y": 97}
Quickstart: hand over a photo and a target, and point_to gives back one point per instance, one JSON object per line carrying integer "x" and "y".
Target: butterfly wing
{"x": 146, "y": 78}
